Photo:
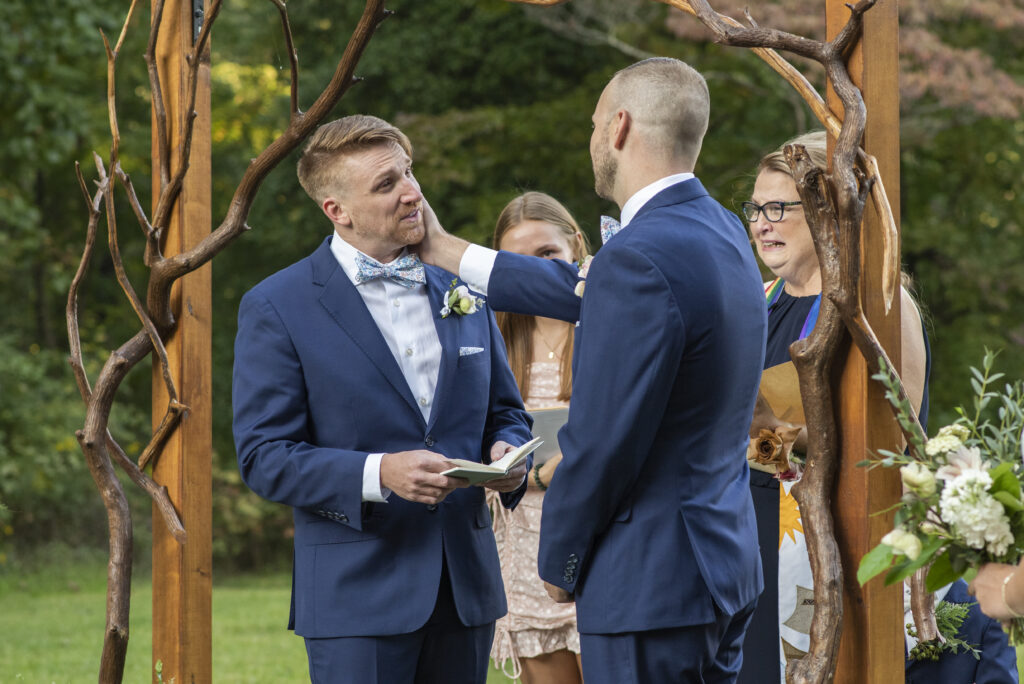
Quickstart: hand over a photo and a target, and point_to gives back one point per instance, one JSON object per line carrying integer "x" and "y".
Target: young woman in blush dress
{"x": 537, "y": 641}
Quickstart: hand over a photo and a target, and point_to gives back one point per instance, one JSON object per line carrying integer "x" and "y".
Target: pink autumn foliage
{"x": 930, "y": 69}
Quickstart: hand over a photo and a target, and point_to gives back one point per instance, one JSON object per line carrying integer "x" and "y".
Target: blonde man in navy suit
{"x": 648, "y": 523}
{"x": 353, "y": 385}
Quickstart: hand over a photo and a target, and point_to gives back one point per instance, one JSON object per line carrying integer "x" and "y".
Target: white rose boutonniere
{"x": 584, "y": 268}
{"x": 460, "y": 301}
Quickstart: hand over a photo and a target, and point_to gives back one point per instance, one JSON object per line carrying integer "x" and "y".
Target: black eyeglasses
{"x": 773, "y": 211}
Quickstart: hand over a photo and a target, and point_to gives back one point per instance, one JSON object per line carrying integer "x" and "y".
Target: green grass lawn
{"x": 52, "y": 625}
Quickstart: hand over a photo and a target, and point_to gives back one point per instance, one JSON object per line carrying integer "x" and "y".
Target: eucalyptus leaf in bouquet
{"x": 962, "y": 505}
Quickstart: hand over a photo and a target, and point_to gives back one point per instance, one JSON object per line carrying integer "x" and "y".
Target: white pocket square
{"x": 469, "y": 351}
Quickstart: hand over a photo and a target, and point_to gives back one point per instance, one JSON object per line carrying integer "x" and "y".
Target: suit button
{"x": 432, "y": 507}
{"x": 429, "y": 441}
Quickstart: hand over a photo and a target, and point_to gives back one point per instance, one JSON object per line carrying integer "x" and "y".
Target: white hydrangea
{"x": 975, "y": 516}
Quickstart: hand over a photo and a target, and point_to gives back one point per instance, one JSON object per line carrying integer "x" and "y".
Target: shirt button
{"x": 396, "y": 303}
{"x": 408, "y": 351}
{"x": 423, "y": 401}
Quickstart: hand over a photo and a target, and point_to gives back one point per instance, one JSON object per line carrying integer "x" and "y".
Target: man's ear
{"x": 622, "y": 125}
{"x": 336, "y": 211}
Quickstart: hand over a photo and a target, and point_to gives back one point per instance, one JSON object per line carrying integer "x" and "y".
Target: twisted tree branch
{"x": 814, "y": 358}
{"x": 156, "y": 318}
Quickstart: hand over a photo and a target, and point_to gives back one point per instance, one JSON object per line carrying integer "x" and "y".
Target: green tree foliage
{"x": 497, "y": 99}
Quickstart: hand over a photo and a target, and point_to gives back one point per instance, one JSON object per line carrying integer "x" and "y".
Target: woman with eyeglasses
{"x": 778, "y": 229}
{"x": 778, "y": 631}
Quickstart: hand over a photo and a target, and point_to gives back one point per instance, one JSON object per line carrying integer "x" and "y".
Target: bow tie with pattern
{"x": 407, "y": 271}
{"x": 609, "y": 227}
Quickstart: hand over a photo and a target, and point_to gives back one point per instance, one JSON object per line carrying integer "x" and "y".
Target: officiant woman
{"x": 537, "y": 640}
{"x": 782, "y": 239}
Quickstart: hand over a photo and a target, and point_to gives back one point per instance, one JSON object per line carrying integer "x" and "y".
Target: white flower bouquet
{"x": 962, "y": 505}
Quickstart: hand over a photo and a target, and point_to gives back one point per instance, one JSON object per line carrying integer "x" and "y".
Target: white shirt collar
{"x": 644, "y": 195}
{"x": 346, "y": 256}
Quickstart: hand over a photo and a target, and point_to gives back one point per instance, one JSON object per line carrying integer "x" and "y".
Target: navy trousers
{"x": 701, "y": 654}
{"x": 443, "y": 651}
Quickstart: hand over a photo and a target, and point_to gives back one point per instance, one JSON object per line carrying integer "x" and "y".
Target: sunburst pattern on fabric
{"x": 789, "y": 516}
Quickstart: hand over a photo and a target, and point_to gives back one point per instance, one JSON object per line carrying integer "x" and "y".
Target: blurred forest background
{"x": 497, "y": 99}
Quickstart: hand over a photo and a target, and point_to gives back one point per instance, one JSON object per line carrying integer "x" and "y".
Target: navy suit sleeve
{"x": 998, "y": 664}
{"x": 534, "y": 286}
{"x": 507, "y": 420}
{"x": 632, "y": 337}
{"x": 276, "y": 457}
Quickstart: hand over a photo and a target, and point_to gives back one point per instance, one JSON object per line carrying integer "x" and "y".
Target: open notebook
{"x": 478, "y": 473}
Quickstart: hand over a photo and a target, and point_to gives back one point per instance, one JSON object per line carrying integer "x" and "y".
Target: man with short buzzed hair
{"x": 648, "y": 523}
{"x": 354, "y": 383}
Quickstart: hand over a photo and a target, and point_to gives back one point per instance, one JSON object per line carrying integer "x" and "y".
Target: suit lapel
{"x": 346, "y": 307}
{"x": 438, "y": 282}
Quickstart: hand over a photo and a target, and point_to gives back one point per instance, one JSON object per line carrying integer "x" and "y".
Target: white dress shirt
{"x": 406, "y": 322}
{"x": 478, "y": 262}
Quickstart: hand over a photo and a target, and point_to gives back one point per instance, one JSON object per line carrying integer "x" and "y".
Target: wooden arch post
{"x": 872, "y": 646}
{"x": 182, "y": 573}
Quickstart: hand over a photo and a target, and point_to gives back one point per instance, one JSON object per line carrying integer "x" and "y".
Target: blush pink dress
{"x": 535, "y": 624}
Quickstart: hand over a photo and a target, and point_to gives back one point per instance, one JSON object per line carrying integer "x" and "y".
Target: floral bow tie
{"x": 407, "y": 271}
{"x": 609, "y": 227}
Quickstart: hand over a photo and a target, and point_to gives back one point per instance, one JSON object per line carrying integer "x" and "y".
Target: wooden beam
{"x": 182, "y": 574}
{"x": 871, "y": 649}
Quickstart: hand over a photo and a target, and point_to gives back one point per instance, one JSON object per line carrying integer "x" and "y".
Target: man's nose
{"x": 411, "y": 191}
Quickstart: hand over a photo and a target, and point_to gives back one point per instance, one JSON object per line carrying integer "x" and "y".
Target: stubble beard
{"x": 605, "y": 170}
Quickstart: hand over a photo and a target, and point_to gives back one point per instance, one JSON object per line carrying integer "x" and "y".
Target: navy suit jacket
{"x": 315, "y": 390}
{"x": 649, "y": 519}
{"x": 998, "y": 664}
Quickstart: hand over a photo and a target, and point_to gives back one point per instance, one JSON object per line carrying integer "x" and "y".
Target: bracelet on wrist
{"x": 536, "y": 478}
{"x": 1006, "y": 604}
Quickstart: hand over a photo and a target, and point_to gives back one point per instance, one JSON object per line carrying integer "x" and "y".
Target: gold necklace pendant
{"x": 551, "y": 349}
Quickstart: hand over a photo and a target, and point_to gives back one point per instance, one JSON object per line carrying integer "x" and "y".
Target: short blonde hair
{"x": 816, "y": 144}
{"x": 669, "y": 99}
{"x": 318, "y": 169}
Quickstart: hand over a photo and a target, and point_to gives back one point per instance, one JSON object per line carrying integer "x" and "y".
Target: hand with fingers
{"x": 438, "y": 246}
{"x": 558, "y": 594}
{"x": 999, "y": 589}
{"x": 515, "y": 477}
{"x": 416, "y": 476}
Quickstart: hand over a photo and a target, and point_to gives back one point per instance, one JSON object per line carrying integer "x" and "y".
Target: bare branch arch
{"x": 837, "y": 201}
